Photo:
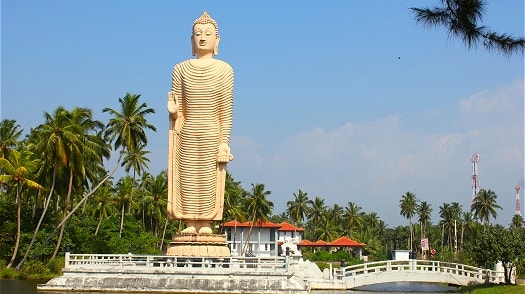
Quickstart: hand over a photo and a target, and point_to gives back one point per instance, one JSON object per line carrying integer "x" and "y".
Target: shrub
{"x": 8, "y": 273}
{"x": 56, "y": 265}
{"x": 34, "y": 269}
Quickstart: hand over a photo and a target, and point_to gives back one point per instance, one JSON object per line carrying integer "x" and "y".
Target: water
{"x": 29, "y": 287}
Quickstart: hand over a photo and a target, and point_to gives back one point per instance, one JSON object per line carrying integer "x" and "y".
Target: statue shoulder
{"x": 181, "y": 64}
{"x": 223, "y": 64}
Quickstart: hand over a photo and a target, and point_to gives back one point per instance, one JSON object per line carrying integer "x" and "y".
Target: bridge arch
{"x": 414, "y": 271}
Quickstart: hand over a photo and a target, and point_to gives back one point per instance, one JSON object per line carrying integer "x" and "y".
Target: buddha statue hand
{"x": 173, "y": 106}
{"x": 224, "y": 155}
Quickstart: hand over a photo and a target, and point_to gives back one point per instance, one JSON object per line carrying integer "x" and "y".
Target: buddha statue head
{"x": 205, "y": 36}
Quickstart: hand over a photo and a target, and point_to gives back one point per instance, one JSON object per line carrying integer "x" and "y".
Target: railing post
{"x": 66, "y": 257}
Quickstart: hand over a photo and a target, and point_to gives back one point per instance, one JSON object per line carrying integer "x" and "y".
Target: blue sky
{"x": 345, "y": 100}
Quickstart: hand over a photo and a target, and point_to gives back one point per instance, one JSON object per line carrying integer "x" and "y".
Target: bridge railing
{"x": 420, "y": 266}
{"x": 122, "y": 261}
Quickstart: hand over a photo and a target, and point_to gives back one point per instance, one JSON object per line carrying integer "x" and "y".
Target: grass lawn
{"x": 493, "y": 289}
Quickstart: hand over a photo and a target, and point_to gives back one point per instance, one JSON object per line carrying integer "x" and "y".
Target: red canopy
{"x": 345, "y": 242}
{"x": 340, "y": 242}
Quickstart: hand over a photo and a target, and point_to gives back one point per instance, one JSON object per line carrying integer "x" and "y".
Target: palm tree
{"x": 445, "y": 212}
{"x": 456, "y": 211}
{"x": 517, "y": 222}
{"x": 461, "y": 20}
{"x": 71, "y": 145}
{"x": 127, "y": 126}
{"x": 369, "y": 237}
{"x": 317, "y": 210}
{"x": 234, "y": 198}
{"x": 468, "y": 227}
{"x": 57, "y": 140}
{"x": 327, "y": 228}
{"x": 408, "y": 205}
{"x": 84, "y": 150}
{"x": 156, "y": 199}
{"x": 424, "y": 211}
{"x": 298, "y": 209}
{"x": 484, "y": 206}
{"x": 353, "y": 218}
{"x": 103, "y": 204}
{"x": 135, "y": 159}
{"x": 124, "y": 198}
{"x": 9, "y": 134}
{"x": 258, "y": 207}
{"x": 371, "y": 220}
{"x": 17, "y": 172}
{"x": 127, "y": 129}
{"x": 336, "y": 214}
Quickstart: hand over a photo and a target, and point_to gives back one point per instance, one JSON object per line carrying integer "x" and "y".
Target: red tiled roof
{"x": 320, "y": 243}
{"x": 266, "y": 224}
{"x": 305, "y": 242}
{"x": 340, "y": 242}
{"x": 290, "y": 228}
{"x": 345, "y": 242}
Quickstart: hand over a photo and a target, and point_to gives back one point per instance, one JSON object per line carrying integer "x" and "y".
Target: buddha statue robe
{"x": 203, "y": 91}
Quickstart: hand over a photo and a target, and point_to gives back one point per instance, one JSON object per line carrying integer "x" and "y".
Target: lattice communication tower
{"x": 475, "y": 179}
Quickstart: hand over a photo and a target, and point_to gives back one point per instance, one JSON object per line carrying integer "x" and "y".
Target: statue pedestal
{"x": 199, "y": 245}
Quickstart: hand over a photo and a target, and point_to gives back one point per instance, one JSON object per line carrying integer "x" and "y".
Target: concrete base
{"x": 202, "y": 245}
{"x": 177, "y": 281}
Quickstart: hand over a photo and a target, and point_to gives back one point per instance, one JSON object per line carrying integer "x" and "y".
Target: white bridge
{"x": 414, "y": 271}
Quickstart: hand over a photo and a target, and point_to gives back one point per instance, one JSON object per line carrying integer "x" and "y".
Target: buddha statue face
{"x": 205, "y": 36}
{"x": 204, "y": 39}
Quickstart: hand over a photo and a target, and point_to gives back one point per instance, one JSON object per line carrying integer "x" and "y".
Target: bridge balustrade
{"x": 75, "y": 261}
{"x": 421, "y": 266}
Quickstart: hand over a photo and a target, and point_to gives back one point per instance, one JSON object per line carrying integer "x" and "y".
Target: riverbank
{"x": 34, "y": 270}
{"x": 493, "y": 289}
{"x": 12, "y": 274}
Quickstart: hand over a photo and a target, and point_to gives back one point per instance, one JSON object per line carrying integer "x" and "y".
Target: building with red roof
{"x": 261, "y": 238}
{"x": 266, "y": 239}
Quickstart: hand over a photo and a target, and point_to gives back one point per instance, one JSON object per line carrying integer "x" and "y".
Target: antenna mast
{"x": 475, "y": 179}
{"x": 518, "y": 205}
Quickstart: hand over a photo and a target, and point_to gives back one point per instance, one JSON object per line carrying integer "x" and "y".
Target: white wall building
{"x": 261, "y": 239}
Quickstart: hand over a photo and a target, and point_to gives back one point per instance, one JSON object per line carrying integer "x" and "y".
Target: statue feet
{"x": 205, "y": 230}
{"x": 189, "y": 230}
{"x": 203, "y": 227}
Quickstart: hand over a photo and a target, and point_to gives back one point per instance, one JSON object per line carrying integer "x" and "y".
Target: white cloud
{"x": 374, "y": 163}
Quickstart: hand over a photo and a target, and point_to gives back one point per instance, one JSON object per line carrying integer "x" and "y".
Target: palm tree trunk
{"x": 98, "y": 226}
{"x": 66, "y": 206}
{"x": 121, "y": 220}
{"x": 442, "y": 234}
{"x": 18, "y": 224}
{"x": 163, "y": 234}
{"x": 46, "y": 205}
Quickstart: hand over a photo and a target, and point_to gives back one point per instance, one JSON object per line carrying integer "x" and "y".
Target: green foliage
{"x": 500, "y": 244}
{"x": 323, "y": 255}
{"x": 8, "y": 273}
{"x": 56, "y": 265}
{"x": 322, "y": 265}
{"x": 80, "y": 236}
{"x": 493, "y": 289}
{"x": 35, "y": 269}
{"x": 7, "y": 225}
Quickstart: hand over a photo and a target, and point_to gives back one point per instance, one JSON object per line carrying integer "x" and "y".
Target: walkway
{"x": 414, "y": 271}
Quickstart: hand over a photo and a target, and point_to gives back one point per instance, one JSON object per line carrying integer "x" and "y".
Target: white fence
{"x": 157, "y": 262}
{"x": 384, "y": 270}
